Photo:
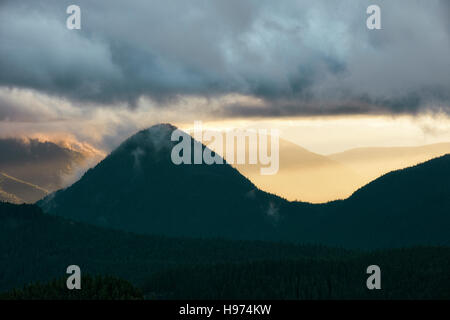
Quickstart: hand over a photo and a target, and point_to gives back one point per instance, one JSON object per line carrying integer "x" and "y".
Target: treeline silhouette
{"x": 93, "y": 288}
{"x": 36, "y": 246}
{"x": 416, "y": 273}
{"x": 39, "y": 247}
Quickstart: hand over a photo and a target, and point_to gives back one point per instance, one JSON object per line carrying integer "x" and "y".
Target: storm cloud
{"x": 297, "y": 57}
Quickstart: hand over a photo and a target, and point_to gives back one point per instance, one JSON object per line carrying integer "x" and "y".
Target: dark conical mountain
{"x": 138, "y": 188}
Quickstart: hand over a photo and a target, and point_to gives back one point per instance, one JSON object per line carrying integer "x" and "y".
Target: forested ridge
{"x": 38, "y": 247}
{"x": 94, "y": 288}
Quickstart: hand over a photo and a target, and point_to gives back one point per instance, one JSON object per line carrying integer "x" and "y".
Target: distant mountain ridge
{"x": 305, "y": 176}
{"x": 372, "y": 162}
{"x": 137, "y": 188}
{"x": 31, "y": 168}
{"x": 18, "y": 191}
{"x": 302, "y": 175}
{"x": 10, "y": 198}
{"x": 310, "y": 177}
{"x": 43, "y": 164}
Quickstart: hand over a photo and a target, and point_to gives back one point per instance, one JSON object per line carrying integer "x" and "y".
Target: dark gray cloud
{"x": 413, "y": 103}
{"x": 300, "y": 57}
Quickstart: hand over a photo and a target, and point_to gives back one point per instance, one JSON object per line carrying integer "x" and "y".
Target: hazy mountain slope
{"x": 44, "y": 164}
{"x": 371, "y": 163}
{"x": 138, "y": 188}
{"x": 310, "y": 177}
{"x": 302, "y": 175}
{"x": 18, "y": 191}
{"x": 305, "y": 176}
{"x": 7, "y": 197}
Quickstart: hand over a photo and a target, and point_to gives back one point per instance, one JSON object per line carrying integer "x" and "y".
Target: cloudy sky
{"x": 294, "y": 64}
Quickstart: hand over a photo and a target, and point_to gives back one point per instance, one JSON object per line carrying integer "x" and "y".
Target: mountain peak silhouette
{"x": 138, "y": 188}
